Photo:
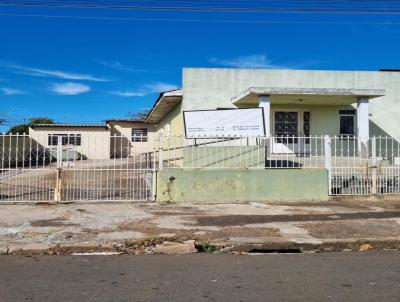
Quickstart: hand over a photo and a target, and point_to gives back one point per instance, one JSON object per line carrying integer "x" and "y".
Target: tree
{"x": 24, "y": 128}
{"x": 141, "y": 115}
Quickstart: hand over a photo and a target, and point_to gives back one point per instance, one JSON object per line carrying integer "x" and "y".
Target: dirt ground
{"x": 139, "y": 227}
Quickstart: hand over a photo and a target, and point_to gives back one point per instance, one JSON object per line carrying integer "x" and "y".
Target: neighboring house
{"x": 77, "y": 140}
{"x": 115, "y": 139}
{"x": 134, "y": 136}
{"x": 295, "y": 102}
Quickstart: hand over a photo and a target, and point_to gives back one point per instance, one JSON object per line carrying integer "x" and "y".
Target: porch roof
{"x": 307, "y": 96}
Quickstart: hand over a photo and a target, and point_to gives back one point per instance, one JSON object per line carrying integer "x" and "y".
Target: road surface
{"x": 202, "y": 277}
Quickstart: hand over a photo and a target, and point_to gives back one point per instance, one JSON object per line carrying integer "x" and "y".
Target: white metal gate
{"x": 59, "y": 168}
{"x": 373, "y": 169}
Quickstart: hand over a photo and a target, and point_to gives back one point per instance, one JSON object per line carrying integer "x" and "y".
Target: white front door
{"x": 290, "y": 129}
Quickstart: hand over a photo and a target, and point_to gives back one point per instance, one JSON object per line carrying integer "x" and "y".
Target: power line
{"x": 282, "y": 6}
{"x": 196, "y": 20}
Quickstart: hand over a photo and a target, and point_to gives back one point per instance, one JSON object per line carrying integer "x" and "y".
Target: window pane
{"x": 66, "y": 139}
{"x": 306, "y": 123}
{"x": 286, "y": 124}
{"x": 139, "y": 135}
{"x": 306, "y": 117}
{"x": 78, "y": 140}
{"x": 347, "y": 125}
{"x": 52, "y": 140}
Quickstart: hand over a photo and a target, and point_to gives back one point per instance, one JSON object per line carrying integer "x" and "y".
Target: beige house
{"x": 118, "y": 138}
{"x": 77, "y": 141}
{"x": 131, "y": 136}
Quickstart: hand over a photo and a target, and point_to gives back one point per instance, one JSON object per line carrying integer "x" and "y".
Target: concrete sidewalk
{"x": 174, "y": 228}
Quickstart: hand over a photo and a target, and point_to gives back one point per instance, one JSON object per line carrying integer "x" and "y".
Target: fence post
{"x": 328, "y": 158}
{"x": 57, "y": 190}
{"x": 373, "y": 150}
{"x": 374, "y": 168}
{"x": 160, "y": 152}
{"x": 59, "y": 151}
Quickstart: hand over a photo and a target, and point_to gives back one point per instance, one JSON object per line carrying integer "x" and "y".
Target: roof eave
{"x": 258, "y": 91}
{"x": 173, "y": 97}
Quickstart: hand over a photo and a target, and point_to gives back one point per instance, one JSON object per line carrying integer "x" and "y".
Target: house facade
{"x": 78, "y": 141}
{"x": 134, "y": 136}
{"x": 295, "y": 102}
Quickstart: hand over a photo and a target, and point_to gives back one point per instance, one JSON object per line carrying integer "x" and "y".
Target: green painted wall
{"x": 242, "y": 185}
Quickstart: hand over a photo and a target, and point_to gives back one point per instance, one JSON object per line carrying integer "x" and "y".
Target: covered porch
{"x": 294, "y": 113}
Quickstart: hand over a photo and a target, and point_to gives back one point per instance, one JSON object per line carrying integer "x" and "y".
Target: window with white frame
{"x": 66, "y": 139}
{"x": 347, "y": 119}
{"x": 139, "y": 134}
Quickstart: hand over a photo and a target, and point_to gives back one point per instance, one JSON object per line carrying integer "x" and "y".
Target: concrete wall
{"x": 207, "y": 88}
{"x": 242, "y": 185}
{"x": 95, "y": 141}
{"x": 124, "y": 129}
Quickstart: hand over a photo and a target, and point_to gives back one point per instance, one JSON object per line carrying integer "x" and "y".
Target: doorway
{"x": 291, "y": 129}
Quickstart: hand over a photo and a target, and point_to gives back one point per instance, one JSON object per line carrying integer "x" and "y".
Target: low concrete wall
{"x": 242, "y": 185}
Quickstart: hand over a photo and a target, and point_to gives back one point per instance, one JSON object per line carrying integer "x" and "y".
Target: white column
{"x": 265, "y": 103}
{"x": 363, "y": 124}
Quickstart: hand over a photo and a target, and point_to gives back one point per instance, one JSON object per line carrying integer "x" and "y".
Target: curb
{"x": 324, "y": 247}
{"x": 218, "y": 247}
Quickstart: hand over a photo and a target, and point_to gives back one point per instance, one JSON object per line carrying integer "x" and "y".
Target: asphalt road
{"x": 204, "y": 277}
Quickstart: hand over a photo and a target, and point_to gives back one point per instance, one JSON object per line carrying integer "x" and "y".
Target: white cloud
{"x": 39, "y": 72}
{"x": 118, "y": 65}
{"x": 127, "y": 93}
{"x": 251, "y": 61}
{"x": 70, "y": 88}
{"x": 11, "y": 91}
{"x": 146, "y": 89}
{"x": 159, "y": 87}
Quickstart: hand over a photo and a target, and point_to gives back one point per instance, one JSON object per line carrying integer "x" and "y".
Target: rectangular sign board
{"x": 226, "y": 122}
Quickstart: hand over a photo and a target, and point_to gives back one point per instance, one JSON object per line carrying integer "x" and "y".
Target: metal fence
{"x": 241, "y": 152}
{"x": 368, "y": 166}
{"x": 356, "y": 166}
{"x": 71, "y": 168}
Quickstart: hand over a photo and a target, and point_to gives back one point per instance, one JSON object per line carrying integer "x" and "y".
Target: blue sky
{"x": 88, "y": 70}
